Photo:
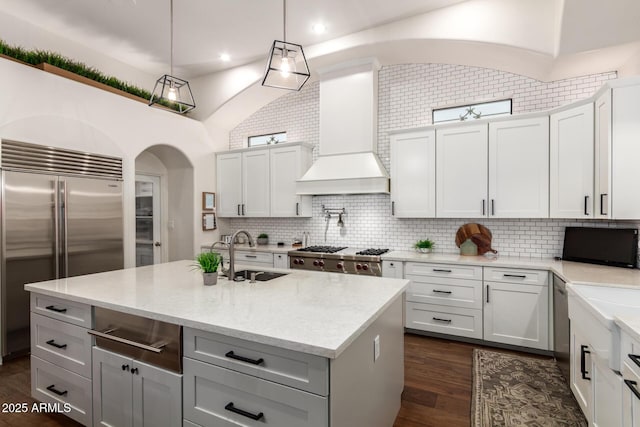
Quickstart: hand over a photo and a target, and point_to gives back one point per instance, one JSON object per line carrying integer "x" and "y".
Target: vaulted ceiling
{"x": 545, "y": 39}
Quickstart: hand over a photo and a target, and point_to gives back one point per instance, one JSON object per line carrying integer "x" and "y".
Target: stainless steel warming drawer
{"x": 152, "y": 341}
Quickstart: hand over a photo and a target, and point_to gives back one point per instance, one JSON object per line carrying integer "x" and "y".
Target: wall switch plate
{"x": 376, "y": 348}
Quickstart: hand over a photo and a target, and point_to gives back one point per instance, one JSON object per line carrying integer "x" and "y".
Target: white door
{"x": 581, "y": 372}
{"x": 571, "y": 163}
{"x": 630, "y": 397}
{"x": 112, "y": 396}
{"x": 413, "y": 174}
{"x": 462, "y": 171}
{"x": 148, "y": 220}
{"x": 157, "y": 396}
{"x": 519, "y": 168}
{"x": 603, "y": 155}
{"x": 516, "y": 314}
{"x": 255, "y": 184}
{"x": 607, "y": 395}
{"x": 229, "y": 184}
{"x": 287, "y": 165}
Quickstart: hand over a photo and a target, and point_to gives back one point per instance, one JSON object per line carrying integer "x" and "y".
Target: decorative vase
{"x": 424, "y": 250}
{"x": 263, "y": 240}
{"x": 210, "y": 278}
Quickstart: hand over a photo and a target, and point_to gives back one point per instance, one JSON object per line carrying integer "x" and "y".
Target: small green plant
{"x": 424, "y": 244}
{"x": 263, "y": 236}
{"x": 207, "y": 262}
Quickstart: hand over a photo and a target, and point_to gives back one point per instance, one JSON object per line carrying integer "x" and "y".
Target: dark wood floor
{"x": 437, "y": 390}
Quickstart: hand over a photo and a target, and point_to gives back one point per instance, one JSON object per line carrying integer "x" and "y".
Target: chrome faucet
{"x": 232, "y": 252}
{"x": 225, "y": 246}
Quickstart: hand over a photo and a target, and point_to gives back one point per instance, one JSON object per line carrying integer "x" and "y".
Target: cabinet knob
{"x": 125, "y": 367}
{"x": 134, "y": 371}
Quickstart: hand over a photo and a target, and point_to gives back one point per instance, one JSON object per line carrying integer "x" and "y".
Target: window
{"x": 272, "y": 138}
{"x": 472, "y": 111}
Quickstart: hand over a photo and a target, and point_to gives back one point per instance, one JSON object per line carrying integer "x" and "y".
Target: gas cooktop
{"x": 324, "y": 249}
{"x": 338, "y": 259}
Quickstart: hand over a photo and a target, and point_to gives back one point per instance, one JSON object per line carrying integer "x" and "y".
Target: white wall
{"x": 407, "y": 94}
{"x": 42, "y": 108}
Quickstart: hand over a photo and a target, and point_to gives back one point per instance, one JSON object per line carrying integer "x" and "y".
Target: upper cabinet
{"x": 602, "y": 155}
{"x": 413, "y": 174}
{"x": 462, "y": 169}
{"x": 260, "y": 182}
{"x": 519, "y": 168}
{"x": 289, "y": 163}
{"x": 571, "y": 158}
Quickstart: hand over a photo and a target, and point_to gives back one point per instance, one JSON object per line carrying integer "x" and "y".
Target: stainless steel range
{"x": 337, "y": 259}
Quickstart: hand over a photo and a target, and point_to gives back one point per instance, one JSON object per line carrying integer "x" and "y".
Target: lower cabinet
{"x": 281, "y": 261}
{"x": 581, "y": 372}
{"x": 128, "y": 392}
{"x": 607, "y": 395}
{"x": 462, "y": 322}
{"x": 630, "y": 397}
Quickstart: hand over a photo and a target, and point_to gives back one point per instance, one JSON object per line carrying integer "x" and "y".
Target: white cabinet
{"x": 462, "y": 170}
{"x": 630, "y": 397}
{"x": 607, "y": 395}
{"x": 571, "y": 157}
{"x": 288, "y": 164}
{"x": 392, "y": 269}
{"x": 127, "y": 392}
{"x": 519, "y": 168}
{"x": 61, "y": 354}
{"x": 603, "y": 155}
{"x": 243, "y": 183}
{"x": 516, "y": 308}
{"x": 255, "y": 183}
{"x": 413, "y": 174}
{"x": 280, "y": 260}
{"x": 581, "y": 371}
{"x": 229, "y": 178}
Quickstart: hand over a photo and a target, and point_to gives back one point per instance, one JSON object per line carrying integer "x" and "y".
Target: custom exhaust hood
{"x": 347, "y": 161}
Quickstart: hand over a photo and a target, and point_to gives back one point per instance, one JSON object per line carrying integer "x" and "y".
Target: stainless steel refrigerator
{"x": 53, "y": 226}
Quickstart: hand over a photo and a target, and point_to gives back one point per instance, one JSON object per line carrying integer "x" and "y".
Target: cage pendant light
{"x": 286, "y": 66}
{"x": 171, "y": 91}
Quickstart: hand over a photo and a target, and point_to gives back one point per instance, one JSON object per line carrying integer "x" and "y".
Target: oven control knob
{"x": 301, "y": 261}
{"x": 321, "y": 263}
{"x": 358, "y": 266}
{"x": 316, "y": 262}
{"x": 365, "y": 267}
{"x": 296, "y": 261}
{"x": 340, "y": 265}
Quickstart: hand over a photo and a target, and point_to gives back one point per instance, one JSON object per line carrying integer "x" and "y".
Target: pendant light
{"x": 287, "y": 66}
{"x": 171, "y": 91}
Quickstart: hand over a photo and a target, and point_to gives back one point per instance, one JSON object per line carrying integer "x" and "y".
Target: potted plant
{"x": 263, "y": 239}
{"x": 208, "y": 263}
{"x": 424, "y": 246}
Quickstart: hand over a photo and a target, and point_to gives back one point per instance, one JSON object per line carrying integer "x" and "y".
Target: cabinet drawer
{"x": 281, "y": 261}
{"x": 66, "y": 345}
{"x": 53, "y": 384}
{"x": 393, "y": 269}
{"x": 299, "y": 370}
{"x": 630, "y": 353}
{"x": 445, "y": 291}
{"x": 215, "y": 396}
{"x": 463, "y": 322}
{"x": 443, "y": 270}
{"x": 512, "y": 275}
{"x": 67, "y": 311}
{"x": 254, "y": 257}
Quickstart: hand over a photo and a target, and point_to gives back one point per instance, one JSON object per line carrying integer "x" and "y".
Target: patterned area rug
{"x": 510, "y": 390}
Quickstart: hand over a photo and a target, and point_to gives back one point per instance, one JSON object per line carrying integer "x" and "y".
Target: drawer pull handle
{"x": 441, "y": 270}
{"x": 232, "y": 355}
{"x": 251, "y": 256}
{"x": 52, "y": 389}
{"x": 583, "y": 362}
{"x": 53, "y": 343}
{"x": 56, "y": 309}
{"x": 134, "y": 371}
{"x": 125, "y": 367}
{"x": 442, "y": 320}
{"x": 229, "y": 407}
{"x": 156, "y": 347}
{"x": 632, "y": 385}
{"x": 635, "y": 358}
{"x": 518, "y": 276}
{"x": 437, "y": 291}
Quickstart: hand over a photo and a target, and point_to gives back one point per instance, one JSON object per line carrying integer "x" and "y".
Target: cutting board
{"x": 467, "y": 230}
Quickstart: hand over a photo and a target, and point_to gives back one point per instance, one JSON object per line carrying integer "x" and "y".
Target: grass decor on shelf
{"x": 37, "y": 57}
{"x": 424, "y": 245}
{"x": 207, "y": 262}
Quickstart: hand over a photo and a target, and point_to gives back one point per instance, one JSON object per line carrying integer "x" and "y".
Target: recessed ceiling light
{"x": 318, "y": 28}
{"x": 224, "y": 57}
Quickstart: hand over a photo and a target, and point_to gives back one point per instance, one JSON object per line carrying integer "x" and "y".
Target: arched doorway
{"x": 164, "y": 205}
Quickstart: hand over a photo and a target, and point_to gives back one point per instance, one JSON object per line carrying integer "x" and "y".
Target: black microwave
{"x": 607, "y": 246}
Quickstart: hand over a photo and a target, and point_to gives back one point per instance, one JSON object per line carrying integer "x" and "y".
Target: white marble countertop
{"x": 275, "y": 249}
{"x": 312, "y": 312}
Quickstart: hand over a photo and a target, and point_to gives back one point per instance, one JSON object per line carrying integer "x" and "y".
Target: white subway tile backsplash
{"x": 406, "y": 95}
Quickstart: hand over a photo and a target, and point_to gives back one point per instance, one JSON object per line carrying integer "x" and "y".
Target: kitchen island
{"x": 338, "y": 341}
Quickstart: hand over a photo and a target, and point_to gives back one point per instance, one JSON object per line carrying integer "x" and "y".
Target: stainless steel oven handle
{"x": 156, "y": 348}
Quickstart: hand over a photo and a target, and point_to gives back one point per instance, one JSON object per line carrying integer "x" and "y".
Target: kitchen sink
{"x": 261, "y": 276}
